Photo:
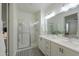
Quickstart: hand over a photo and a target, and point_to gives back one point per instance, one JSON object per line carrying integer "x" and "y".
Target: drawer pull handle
{"x": 59, "y": 49}
{"x": 62, "y": 50}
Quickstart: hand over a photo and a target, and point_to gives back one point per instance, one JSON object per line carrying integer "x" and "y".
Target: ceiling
{"x": 55, "y": 7}
{"x": 34, "y": 7}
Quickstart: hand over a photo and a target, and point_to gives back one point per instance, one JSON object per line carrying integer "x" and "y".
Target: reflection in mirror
{"x": 50, "y": 28}
{"x": 67, "y": 27}
{"x": 71, "y": 23}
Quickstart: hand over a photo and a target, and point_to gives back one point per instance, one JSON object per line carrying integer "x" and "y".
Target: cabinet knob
{"x": 59, "y": 49}
{"x": 62, "y": 50}
{"x": 40, "y": 38}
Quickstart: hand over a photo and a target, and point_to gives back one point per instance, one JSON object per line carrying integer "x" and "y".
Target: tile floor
{"x": 30, "y": 52}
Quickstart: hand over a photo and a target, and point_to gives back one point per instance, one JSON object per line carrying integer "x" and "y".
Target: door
{"x": 72, "y": 22}
{"x": 42, "y": 45}
{"x": 47, "y": 47}
{"x": 69, "y": 52}
{"x": 23, "y": 35}
{"x": 73, "y": 27}
{"x": 54, "y": 49}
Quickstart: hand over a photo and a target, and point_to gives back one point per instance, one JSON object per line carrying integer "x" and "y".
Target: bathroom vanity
{"x": 58, "y": 45}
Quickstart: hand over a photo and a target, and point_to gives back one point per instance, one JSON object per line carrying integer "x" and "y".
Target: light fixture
{"x": 35, "y": 23}
{"x": 67, "y": 27}
{"x": 63, "y": 9}
{"x": 69, "y": 6}
{"x": 50, "y": 15}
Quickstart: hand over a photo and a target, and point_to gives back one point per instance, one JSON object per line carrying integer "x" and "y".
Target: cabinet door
{"x": 58, "y": 50}
{"x": 23, "y": 35}
{"x": 44, "y": 46}
{"x": 47, "y": 47}
{"x": 54, "y": 49}
{"x": 69, "y": 52}
{"x": 40, "y": 44}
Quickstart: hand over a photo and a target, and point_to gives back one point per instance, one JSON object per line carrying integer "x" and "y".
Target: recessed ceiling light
{"x": 50, "y": 15}
{"x": 69, "y": 6}
{"x": 63, "y": 9}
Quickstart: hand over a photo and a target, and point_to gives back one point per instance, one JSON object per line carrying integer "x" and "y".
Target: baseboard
{"x": 26, "y": 48}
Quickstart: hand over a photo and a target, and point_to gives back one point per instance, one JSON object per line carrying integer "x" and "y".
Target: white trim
{"x": 63, "y": 9}
{"x": 69, "y": 6}
{"x": 25, "y": 49}
{"x": 50, "y": 15}
{"x": 35, "y": 23}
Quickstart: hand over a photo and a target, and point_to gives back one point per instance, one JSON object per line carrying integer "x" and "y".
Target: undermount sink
{"x": 62, "y": 38}
{"x": 70, "y": 40}
{"x": 75, "y": 42}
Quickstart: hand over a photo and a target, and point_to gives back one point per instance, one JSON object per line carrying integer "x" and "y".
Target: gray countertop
{"x": 71, "y": 43}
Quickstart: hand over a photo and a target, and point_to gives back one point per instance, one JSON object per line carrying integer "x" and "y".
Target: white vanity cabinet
{"x": 47, "y": 47}
{"x": 52, "y": 48}
{"x": 41, "y": 44}
{"x": 44, "y": 46}
{"x": 58, "y": 50}
{"x": 69, "y": 52}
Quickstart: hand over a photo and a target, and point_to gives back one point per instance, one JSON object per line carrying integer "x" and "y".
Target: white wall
{"x": 43, "y": 22}
{"x": 27, "y": 17}
{"x": 36, "y": 28}
{"x": 58, "y": 23}
{"x": 4, "y": 14}
{"x": 2, "y": 44}
{"x": 16, "y": 15}
{"x": 37, "y": 16}
{"x": 0, "y": 10}
{"x": 12, "y": 29}
{"x": 59, "y": 19}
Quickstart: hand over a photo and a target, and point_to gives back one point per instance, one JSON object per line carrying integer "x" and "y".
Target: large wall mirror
{"x": 71, "y": 23}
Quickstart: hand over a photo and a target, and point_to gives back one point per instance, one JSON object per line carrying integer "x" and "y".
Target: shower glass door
{"x": 23, "y": 35}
